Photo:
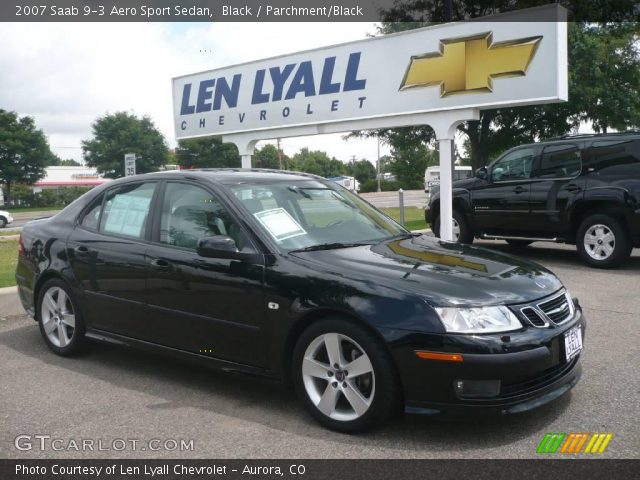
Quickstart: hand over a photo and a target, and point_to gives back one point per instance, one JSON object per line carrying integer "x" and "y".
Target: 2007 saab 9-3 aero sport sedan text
{"x": 294, "y": 277}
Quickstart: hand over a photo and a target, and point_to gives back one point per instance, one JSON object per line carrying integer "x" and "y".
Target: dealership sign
{"x": 444, "y": 67}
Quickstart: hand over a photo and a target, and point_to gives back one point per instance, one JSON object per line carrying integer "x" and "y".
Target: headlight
{"x": 478, "y": 320}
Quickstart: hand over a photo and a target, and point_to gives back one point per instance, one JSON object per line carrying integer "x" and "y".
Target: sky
{"x": 68, "y": 75}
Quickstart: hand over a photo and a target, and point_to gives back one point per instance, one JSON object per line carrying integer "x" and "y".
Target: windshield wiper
{"x": 329, "y": 246}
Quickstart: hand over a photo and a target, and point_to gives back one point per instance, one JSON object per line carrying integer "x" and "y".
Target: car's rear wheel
{"x": 602, "y": 242}
{"x": 519, "y": 243}
{"x": 344, "y": 376}
{"x": 461, "y": 230}
{"x": 61, "y": 323}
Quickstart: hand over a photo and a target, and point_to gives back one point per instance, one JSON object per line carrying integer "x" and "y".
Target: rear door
{"x": 107, "y": 254}
{"x": 558, "y": 185}
{"x": 501, "y": 205}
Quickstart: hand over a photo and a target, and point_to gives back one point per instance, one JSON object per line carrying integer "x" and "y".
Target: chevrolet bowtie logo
{"x": 469, "y": 64}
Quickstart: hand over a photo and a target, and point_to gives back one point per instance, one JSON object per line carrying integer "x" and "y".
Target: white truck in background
{"x": 432, "y": 175}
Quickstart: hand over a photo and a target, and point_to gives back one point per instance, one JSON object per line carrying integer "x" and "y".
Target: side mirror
{"x": 482, "y": 173}
{"x": 217, "y": 246}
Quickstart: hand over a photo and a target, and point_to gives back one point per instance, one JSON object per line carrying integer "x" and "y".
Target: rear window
{"x": 615, "y": 157}
{"x": 126, "y": 210}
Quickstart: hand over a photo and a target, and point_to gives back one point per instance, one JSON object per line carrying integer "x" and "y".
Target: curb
{"x": 8, "y": 238}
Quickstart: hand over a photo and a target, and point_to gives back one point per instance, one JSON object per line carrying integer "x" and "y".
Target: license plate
{"x": 573, "y": 342}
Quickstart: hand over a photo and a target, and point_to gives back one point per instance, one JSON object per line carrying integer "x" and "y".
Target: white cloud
{"x": 66, "y": 75}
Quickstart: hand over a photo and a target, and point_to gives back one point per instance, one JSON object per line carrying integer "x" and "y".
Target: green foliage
{"x": 48, "y": 197}
{"x": 24, "y": 151}
{"x": 409, "y": 164}
{"x": 318, "y": 163}
{"x": 267, "y": 157}
{"x": 363, "y": 170}
{"x": 120, "y": 133}
{"x": 385, "y": 186}
{"x": 207, "y": 152}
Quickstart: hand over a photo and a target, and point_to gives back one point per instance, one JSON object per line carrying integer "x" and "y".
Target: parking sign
{"x": 129, "y": 164}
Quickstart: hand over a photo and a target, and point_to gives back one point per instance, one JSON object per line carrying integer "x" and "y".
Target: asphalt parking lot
{"x": 113, "y": 393}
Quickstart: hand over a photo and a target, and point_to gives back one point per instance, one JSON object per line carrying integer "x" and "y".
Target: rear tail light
{"x": 21, "y": 251}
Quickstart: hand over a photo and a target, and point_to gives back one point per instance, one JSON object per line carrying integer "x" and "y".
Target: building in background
{"x": 57, "y": 177}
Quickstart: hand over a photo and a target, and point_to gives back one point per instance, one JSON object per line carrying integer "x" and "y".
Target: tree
{"x": 207, "y": 152}
{"x": 24, "y": 150}
{"x": 267, "y": 157}
{"x": 318, "y": 163}
{"x": 363, "y": 170}
{"x": 69, "y": 162}
{"x": 409, "y": 164}
{"x": 604, "y": 78}
{"x": 120, "y": 133}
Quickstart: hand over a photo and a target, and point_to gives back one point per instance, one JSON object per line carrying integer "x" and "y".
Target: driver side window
{"x": 513, "y": 166}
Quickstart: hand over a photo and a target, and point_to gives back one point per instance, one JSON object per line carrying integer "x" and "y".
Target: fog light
{"x": 477, "y": 388}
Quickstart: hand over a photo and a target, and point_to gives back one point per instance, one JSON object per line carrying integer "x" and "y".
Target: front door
{"x": 501, "y": 205}
{"x": 211, "y": 306}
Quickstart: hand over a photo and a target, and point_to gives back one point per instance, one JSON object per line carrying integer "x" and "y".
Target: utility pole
{"x": 378, "y": 165}
{"x": 279, "y": 153}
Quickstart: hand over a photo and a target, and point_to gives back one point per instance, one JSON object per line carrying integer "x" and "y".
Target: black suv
{"x": 582, "y": 190}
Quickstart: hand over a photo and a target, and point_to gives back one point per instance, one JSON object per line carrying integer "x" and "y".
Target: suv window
{"x": 615, "y": 157}
{"x": 513, "y": 166}
{"x": 126, "y": 209}
{"x": 560, "y": 161}
{"x": 190, "y": 213}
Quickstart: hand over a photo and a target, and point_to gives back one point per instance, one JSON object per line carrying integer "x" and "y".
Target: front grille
{"x": 546, "y": 377}
{"x": 533, "y": 317}
{"x": 552, "y": 311}
{"x": 557, "y": 309}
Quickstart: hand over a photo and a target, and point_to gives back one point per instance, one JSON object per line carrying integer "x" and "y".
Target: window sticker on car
{"x": 279, "y": 224}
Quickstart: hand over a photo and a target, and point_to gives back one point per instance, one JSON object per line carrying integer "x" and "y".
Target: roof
{"x": 230, "y": 176}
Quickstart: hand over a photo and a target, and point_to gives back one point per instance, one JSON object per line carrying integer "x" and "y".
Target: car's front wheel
{"x": 344, "y": 376}
{"x": 3, "y": 222}
{"x": 61, "y": 323}
{"x": 602, "y": 242}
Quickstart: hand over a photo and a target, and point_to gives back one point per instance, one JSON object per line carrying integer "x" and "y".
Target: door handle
{"x": 519, "y": 189}
{"x": 81, "y": 251}
{"x": 572, "y": 187}
{"x": 161, "y": 265}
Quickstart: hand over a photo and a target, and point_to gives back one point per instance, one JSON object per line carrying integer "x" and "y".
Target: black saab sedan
{"x": 293, "y": 277}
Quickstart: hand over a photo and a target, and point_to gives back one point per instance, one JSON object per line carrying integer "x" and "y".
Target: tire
{"x": 602, "y": 242}
{"x": 352, "y": 403}
{"x": 60, "y": 319}
{"x": 465, "y": 235}
{"x": 3, "y": 222}
{"x": 519, "y": 243}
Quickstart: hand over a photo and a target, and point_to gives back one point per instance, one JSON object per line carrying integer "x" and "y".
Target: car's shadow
{"x": 176, "y": 384}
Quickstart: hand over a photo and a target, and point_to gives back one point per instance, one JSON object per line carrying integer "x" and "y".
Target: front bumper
{"x": 523, "y": 370}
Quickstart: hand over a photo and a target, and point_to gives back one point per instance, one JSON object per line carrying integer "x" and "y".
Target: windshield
{"x": 309, "y": 213}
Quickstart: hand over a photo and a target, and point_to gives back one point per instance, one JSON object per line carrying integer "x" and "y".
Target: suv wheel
{"x": 59, "y": 317}
{"x": 602, "y": 242}
{"x": 344, "y": 376}
{"x": 461, "y": 230}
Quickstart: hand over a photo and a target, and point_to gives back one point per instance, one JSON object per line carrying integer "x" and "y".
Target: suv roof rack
{"x": 589, "y": 135}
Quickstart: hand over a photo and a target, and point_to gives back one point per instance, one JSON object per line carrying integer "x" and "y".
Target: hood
{"x": 443, "y": 273}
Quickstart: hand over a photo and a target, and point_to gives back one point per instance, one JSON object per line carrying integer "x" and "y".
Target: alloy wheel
{"x": 599, "y": 242}
{"x": 58, "y": 317}
{"x": 456, "y": 230}
{"x": 338, "y": 377}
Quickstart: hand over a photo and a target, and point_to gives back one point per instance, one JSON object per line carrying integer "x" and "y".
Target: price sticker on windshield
{"x": 279, "y": 224}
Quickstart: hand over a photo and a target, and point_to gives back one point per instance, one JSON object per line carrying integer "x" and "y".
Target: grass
{"x": 7, "y": 233}
{"x": 8, "y": 262}
{"x": 413, "y": 217}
